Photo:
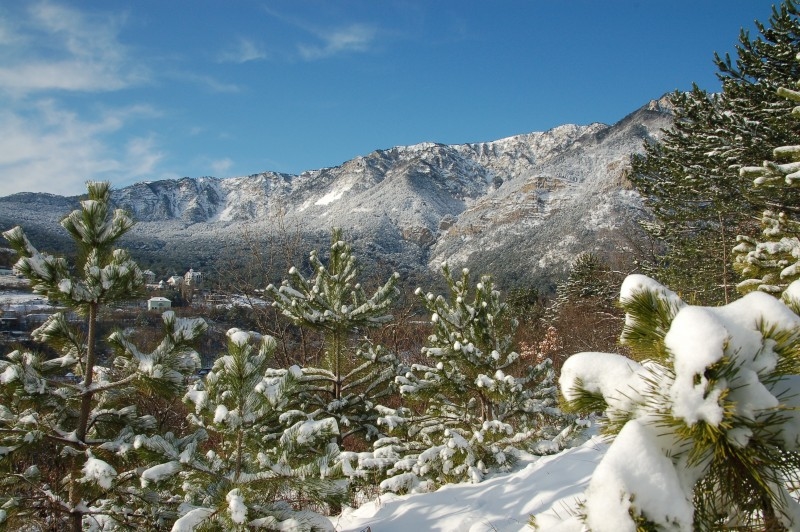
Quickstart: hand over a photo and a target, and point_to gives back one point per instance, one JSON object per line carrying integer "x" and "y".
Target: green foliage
{"x": 688, "y": 178}
{"x": 527, "y": 305}
{"x": 354, "y": 373}
{"x": 714, "y": 399}
{"x": 248, "y": 461}
{"x": 585, "y": 302}
{"x": 362, "y": 388}
{"x": 331, "y": 299}
{"x": 771, "y": 264}
{"x": 70, "y": 407}
{"x": 108, "y": 274}
{"x": 648, "y": 315}
{"x": 476, "y": 412}
{"x": 588, "y": 278}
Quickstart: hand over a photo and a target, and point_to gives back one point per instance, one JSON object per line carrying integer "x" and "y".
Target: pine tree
{"x": 585, "y": 311}
{"x": 697, "y": 208}
{"x": 71, "y": 407}
{"x": 774, "y": 262}
{"x": 588, "y": 278}
{"x": 354, "y": 375}
{"x": 477, "y": 411}
{"x": 689, "y": 178}
{"x": 710, "y": 414}
{"x": 250, "y": 463}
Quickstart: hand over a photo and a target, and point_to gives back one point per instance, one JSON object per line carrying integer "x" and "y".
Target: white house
{"x": 193, "y": 278}
{"x": 158, "y": 303}
{"x": 175, "y": 281}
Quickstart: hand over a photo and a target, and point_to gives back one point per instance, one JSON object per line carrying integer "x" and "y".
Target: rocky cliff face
{"x": 519, "y": 207}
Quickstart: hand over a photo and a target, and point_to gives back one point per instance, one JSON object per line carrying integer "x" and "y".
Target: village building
{"x": 149, "y": 277}
{"x": 158, "y": 303}
{"x": 176, "y": 281}
{"x": 193, "y": 278}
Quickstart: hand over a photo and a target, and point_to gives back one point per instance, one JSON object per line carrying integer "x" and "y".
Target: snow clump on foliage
{"x": 706, "y": 424}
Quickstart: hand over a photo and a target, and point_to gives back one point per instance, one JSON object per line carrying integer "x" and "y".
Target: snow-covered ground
{"x": 548, "y": 487}
{"x": 15, "y": 298}
{"x": 21, "y": 301}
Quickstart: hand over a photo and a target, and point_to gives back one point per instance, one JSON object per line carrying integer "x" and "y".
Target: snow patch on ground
{"x": 22, "y": 301}
{"x": 549, "y": 487}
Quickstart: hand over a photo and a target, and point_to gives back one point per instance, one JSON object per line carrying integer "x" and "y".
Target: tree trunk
{"x": 724, "y": 258}
{"x": 76, "y": 517}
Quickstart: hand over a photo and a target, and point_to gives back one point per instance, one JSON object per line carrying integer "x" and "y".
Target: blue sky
{"x": 146, "y": 90}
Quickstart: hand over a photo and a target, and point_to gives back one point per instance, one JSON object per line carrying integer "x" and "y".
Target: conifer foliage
{"x": 772, "y": 263}
{"x": 689, "y": 178}
{"x": 355, "y": 373}
{"x": 706, "y": 426}
{"x": 585, "y": 302}
{"x": 247, "y": 465}
{"x": 67, "y": 424}
{"x": 480, "y": 406}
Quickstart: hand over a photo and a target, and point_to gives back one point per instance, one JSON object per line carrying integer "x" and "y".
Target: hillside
{"x": 520, "y": 207}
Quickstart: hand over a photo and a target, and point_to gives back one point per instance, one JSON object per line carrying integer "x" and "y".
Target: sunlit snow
{"x": 548, "y": 486}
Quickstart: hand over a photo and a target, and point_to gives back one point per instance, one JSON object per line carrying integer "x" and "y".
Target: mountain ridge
{"x": 532, "y": 201}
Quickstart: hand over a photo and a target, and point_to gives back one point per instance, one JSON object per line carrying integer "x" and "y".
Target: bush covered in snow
{"x": 706, "y": 425}
{"x": 247, "y": 463}
{"x": 474, "y": 405}
{"x": 355, "y": 374}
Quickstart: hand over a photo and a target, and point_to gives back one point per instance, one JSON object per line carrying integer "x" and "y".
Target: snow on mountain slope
{"x": 519, "y": 206}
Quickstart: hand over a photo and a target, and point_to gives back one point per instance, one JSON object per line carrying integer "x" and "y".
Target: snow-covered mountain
{"x": 519, "y": 206}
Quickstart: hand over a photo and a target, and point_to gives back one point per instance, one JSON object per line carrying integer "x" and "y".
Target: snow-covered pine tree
{"x": 698, "y": 209}
{"x": 686, "y": 177}
{"x": 67, "y": 423}
{"x": 478, "y": 406}
{"x": 355, "y": 374}
{"x": 706, "y": 428}
{"x": 585, "y": 307}
{"x": 772, "y": 263}
{"x": 589, "y": 277}
{"x": 249, "y": 464}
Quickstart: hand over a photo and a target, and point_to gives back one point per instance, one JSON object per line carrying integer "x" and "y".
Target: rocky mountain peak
{"x": 519, "y": 206}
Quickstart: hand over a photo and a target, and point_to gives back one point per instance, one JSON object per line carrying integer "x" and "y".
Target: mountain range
{"x": 520, "y": 208}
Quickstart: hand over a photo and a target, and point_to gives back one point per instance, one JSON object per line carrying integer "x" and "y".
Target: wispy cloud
{"x": 220, "y": 167}
{"x": 209, "y": 82}
{"x": 47, "y": 50}
{"x": 353, "y": 38}
{"x": 144, "y": 155}
{"x": 53, "y": 47}
{"x": 49, "y": 149}
{"x": 243, "y": 51}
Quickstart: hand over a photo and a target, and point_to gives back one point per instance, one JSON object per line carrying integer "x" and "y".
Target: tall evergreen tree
{"x": 585, "y": 302}
{"x": 689, "y": 178}
{"x": 772, "y": 263}
{"x": 355, "y": 374}
{"x": 589, "y": 277}
{"x": 479, "y": 404}
{"x": 71, "y": 406}
{"x": 247, "y": 465}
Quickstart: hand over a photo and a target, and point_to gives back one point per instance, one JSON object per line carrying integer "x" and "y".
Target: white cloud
{"x": 221, "y": 166}
{"x": 54, "y": 47}
{"x": 49, "y": 149}
{"x": 354, "y": 38}
{"x": 49, "y": 49}
{"x": 208, "y": 82}
{"x": 143, "y": 155}
{"x": 243, "y": 51}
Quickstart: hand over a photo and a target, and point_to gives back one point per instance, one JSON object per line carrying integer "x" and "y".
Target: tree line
{"x": 327, "y": 407}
